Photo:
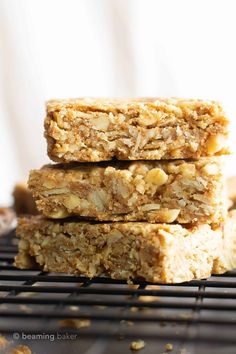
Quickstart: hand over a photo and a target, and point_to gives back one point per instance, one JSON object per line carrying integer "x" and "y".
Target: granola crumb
{"x": 20, "y": 349}
{"x": 137, "y": 344}
{"x": 25, "y": 308}
{"x": 127, "y": 323}
{"x": 75, "y": 323}
{"x": 134, "y": 309}
{"x": 169, "y": 347}
{"x": 148, "y": 298}
{"x": 74, "y": 308}
{"x": 3, "y": 342}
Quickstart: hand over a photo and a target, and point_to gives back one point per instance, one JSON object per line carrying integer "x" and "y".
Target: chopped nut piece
{"x": 100, "y": 123}
{"x": 188, "y": 170}
{"x": 169, "y": 216}
{"x": 59, "y": 213}
{"x": 72, "y": 201}
{"x": 215, "y": 143}
{"x": 148, "y": 207}
{"x": 149, "y": 118}
{"x": 211, "y": 169}
{"x": 157, "y": 177}
{"x": 137, "y": 345}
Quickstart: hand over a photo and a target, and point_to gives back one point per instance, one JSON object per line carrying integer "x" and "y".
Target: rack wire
{"x": 198, "y": 311}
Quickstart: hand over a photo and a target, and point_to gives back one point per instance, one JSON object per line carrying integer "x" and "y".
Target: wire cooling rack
{"x": 199, "y": 312}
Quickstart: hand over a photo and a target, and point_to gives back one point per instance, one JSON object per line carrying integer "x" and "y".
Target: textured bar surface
{"x": 155, "y": 252}
{"x": 157, "y": 191}
{"x": 90, "y": 130}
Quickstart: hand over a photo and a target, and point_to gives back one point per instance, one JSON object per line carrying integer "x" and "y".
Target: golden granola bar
{"x": 23, "y": 200}
{"x": 90, "y": 130}
{"x": 163, "y": 253}
{"x": 153, "y": 191}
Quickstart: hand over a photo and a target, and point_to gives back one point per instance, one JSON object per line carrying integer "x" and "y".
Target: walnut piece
{"x": 156, "y": 176}
{"x": 100, "y": 123}
{"x": 169, "y": 215}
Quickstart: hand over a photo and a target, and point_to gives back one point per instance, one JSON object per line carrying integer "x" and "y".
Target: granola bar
{"x": 90, "y": 130}
{"x": 23, "y": 200}
{"x": 163, "y": 253}
{"x": 153, "y": 191}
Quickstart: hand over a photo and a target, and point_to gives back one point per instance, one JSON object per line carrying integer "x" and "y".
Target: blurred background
{"x": 70, "y": 48}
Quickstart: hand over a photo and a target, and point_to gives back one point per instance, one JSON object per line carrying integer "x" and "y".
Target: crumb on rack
{"x": 20, "y": 349}
{"x": 137, "y": 344}
{"x": 169, "y": 347}
{"x": 75, "y": 323}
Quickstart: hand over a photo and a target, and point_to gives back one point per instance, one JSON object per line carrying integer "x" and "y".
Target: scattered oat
{"x": 74, "y": 308}
{"x": 137, "y": 344}
{"x": 75, "y": 323}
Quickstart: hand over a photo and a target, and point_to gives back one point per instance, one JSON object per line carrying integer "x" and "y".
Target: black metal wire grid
{"x": 197, "y": 311}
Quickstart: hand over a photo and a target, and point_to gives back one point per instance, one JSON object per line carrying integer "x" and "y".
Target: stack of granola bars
{"x": 139, "y": 191}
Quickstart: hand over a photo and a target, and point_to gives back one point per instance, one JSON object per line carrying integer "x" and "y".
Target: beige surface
{"x": 154, "y": 252}
{"x": 89, "y": 130}
{"x": 231, "y": 188}
{"x": 180, "y": 191}
{"x": 7, "y": 218}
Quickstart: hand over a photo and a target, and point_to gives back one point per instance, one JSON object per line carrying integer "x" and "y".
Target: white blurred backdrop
{"x": 70, "y": 48}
